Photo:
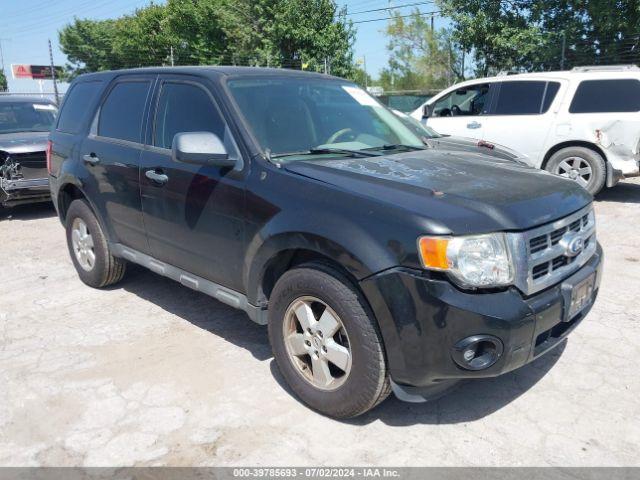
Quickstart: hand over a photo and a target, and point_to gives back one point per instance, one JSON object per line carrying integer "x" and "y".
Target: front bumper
{"x": 421, "y": 318}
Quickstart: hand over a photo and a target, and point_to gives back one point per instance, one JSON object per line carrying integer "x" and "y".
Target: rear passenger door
{"x": 194, "y": 216}
{"x": 111, "y": 155}
{"x": 521, "y": 116}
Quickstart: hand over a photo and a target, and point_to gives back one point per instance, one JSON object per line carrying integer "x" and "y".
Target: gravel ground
{"x": 152, "y": 373}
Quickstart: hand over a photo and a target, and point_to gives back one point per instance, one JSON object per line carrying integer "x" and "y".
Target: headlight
{"x": 474, "y": 261}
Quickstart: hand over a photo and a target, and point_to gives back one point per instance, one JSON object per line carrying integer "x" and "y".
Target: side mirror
{"x": 200, "y": 148}
{"x": 427, "y": 111}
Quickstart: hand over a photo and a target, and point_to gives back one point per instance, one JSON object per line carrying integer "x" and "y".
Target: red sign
{"x": 21, "y": 71}
{"x": 37, "y": 72}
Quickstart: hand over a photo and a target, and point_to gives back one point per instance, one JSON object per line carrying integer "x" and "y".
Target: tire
{"x": 367, "y": 383}
{"x": 105, "y": 269}
{"x": 580, "y": 157}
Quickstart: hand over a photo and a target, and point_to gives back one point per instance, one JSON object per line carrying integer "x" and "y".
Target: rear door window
{"x": 122, "y": 112}
{"x": 550, "y": 95}
{"x": 601, "y": 96}
{"x": 74, "y": 109}
{"x": 519, "y": 98}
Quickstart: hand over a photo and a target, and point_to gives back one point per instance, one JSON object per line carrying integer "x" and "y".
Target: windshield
{"x": 26, "y": 117}
{"x": 314, "y": 116}
{"x": 417, "y": 127}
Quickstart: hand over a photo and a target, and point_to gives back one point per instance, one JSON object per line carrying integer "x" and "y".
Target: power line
{"x": 391, "y": 8}
{"x": 391, "y": 17}
{"x": 58, "y": 17}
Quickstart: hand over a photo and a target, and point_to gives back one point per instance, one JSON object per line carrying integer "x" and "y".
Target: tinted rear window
{"x": 519, "y": 98}
{"x": 121, "y": 113}
{"x": 599, "y": 96}
{"x": 74, "y": 109}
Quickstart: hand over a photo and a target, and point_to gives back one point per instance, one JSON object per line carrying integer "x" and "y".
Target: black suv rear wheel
{"x": 325, "y": 343}
{"x": 89, "y": 249}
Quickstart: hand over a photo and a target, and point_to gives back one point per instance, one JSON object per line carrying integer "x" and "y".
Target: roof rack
{"x": 605, "y": 68}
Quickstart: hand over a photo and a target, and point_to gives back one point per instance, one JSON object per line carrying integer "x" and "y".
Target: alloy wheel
{"x": 317, "y": 343}
{"x": 575, "y": 168}
{"x": 83, "y": 244}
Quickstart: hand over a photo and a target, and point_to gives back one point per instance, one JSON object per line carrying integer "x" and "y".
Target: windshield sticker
{"x": 360, "y": 96}
{"x": 44, "y": 106}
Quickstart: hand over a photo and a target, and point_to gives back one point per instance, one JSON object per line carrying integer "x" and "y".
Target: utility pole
{"x": 171, "y": 54}
{"x": 326, "y": 70}
{"x": 53, "y": 75}
{"x": 364, "y": 65}
{"x": 449, "y": 65}
{"x": 564, "y": 44}
{"x": 2, "y": 59}
{"x": 432, "y": 23}
{"x": 2, "y": 54}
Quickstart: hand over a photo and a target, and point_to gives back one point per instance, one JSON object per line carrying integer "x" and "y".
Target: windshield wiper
{"x": 327, "y": 150}
{"x": 396, "y": 146}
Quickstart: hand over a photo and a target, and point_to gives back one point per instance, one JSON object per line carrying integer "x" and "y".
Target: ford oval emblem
{"x": 573, "y": 244}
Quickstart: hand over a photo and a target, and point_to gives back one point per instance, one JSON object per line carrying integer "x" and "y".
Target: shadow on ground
{"x": 470, "y": 401}
{"x": 624, "y": 192}
{"x": 199, "y": 309}
{"x": 33, "y": 211}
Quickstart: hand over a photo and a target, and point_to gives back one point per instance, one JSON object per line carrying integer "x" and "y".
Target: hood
{"x": 23, "y": 142}
{"x": 470, "y": 145}
{"x": 457, "y": 193}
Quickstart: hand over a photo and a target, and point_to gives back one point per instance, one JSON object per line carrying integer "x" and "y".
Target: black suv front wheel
{"x": 325, "y": 342}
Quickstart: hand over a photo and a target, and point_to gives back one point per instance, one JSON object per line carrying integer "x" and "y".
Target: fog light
{"x": 477, "y": 352}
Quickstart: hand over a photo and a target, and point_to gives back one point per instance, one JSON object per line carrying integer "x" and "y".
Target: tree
{"x": 528, "y": 35}
{"x": 419, "y": 57}
{"x": 88, "y": 45}
{"x": 3, "y": 82}
{"x": 287, "y": 33}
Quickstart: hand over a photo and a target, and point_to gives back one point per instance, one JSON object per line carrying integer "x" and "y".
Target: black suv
{"x": 377, "y": 262}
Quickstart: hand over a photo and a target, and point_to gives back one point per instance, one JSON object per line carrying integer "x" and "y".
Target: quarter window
{"x": 185, "y": 108}
{"x": 121, "y": 113}
{"x": 600, "y": 96}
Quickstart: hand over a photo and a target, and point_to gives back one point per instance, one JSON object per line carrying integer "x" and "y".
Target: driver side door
{"x": 193, "y": 214}
{"x": 461, "y": 111}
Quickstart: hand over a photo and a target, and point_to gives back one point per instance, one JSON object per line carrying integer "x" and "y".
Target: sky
{"x": 26, "y": 26}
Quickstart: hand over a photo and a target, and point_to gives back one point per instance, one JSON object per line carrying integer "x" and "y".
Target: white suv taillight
{"x": 49, "y": 151}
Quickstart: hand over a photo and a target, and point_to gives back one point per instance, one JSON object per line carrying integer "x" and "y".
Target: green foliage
{"x": 288, "y": 33}
{"x": 420, "y": 58}
{"x": 3, "y": 82}
{"x": 359, "y": 76}
{"x": 526, "y": 35}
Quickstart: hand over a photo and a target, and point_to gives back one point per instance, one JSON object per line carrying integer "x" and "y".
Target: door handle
{"x": 474, "y": 125}
{"x": 157, "y": 177}
{"x": 91, "y": 159}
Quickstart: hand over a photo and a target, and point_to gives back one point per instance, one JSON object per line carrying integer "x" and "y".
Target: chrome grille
{"x": 543, "y": 256}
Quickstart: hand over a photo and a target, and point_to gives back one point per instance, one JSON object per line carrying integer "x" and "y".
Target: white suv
{"x": 583, "y": 124}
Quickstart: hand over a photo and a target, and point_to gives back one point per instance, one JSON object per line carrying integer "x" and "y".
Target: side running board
{"x": 223, "y": 294}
